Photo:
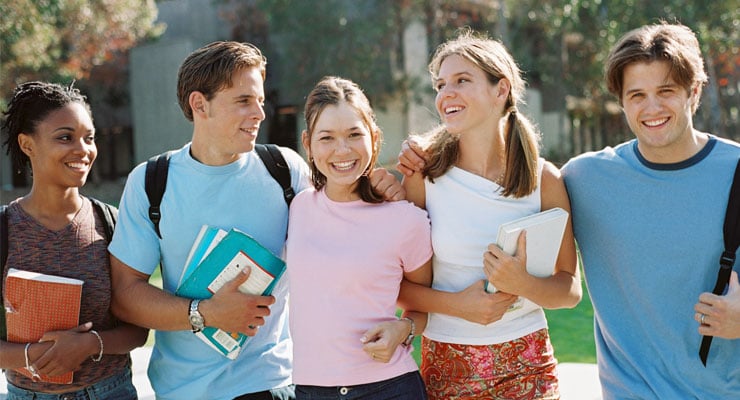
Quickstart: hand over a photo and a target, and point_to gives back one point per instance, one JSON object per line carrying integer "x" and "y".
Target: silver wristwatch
{"x": 196, "y": 319}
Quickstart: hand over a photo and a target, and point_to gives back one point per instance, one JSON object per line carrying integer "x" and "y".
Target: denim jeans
{"x": 408, "y": 386}
{"x": 116, "y": 387}
{"x": 283, "y": 393}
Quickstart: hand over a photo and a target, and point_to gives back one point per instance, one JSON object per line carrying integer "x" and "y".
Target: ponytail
{"x": 522, "y": 152}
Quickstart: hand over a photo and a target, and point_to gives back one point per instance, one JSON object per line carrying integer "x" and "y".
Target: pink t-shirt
{"x": 345, "y": 265}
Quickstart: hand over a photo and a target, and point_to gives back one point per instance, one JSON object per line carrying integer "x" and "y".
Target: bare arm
{"x": 138, "y": 302}
{"x": 420, "y": 276}
{"x": 415, "y": 190}
{"x": 382, "y": 340}
{"x": 508, "y": 273}
{"x": 473, "y": 304}
{"x": 58, "y": 352}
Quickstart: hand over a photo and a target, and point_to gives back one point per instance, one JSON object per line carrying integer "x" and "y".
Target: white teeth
{"x": 655, "y": 122}
{"x": 343, "y": 164}
{"x": 77, "y": 165}
{"x": 453, "y": 109}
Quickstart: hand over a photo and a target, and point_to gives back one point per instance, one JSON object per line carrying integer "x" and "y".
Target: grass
{"x": 571, "y": 330}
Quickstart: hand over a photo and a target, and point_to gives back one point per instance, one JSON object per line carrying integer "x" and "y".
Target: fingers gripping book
{"x": 37, "y": 303}
{"x": 217, "y": 257}
{"x": 544, "y": 235}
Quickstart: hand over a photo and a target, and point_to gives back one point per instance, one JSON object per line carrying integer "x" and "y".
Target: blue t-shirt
{"x": 651, "y": 237}
{"x": 239, "y": 195}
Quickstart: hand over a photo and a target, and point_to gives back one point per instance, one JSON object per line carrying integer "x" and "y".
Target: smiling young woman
{"x": 54, "y": 230}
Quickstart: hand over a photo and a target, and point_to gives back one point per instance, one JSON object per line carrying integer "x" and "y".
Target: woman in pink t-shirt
{"x": 347, "y": 253}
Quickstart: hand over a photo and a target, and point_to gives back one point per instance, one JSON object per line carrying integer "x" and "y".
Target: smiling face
{"x": 341, "y": 146}
{"x": 62, "y": 148}
{"x": 659, "y": 112}
{"x": 227, "y": 125}
{"x": 466, "y": 99}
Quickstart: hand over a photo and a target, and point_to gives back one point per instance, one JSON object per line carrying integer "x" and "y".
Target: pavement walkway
{"x": 577, "y": 381}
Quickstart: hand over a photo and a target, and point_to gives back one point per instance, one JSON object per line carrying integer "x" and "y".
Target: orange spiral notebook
{"x": 37, "y": 303}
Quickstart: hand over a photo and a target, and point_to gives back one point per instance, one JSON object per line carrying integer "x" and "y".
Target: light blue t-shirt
{"x": 239, "y": 195}
{"x": 651, "y": 237}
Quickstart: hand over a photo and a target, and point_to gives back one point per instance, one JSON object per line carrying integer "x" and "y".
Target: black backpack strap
{"x": 108, "y": 214}
{"x": 273, "y": 159}
{"x": 3, "y": 241}
{"x": 731, "y": 231}
{"x": 155, "y": 183}
{"x": 3, "y": 258}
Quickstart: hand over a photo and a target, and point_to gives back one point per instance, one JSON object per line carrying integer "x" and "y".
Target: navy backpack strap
{"x": 155, "y": 183}
{"x": 731, "y": 231}
{"x": 273, "y": 159}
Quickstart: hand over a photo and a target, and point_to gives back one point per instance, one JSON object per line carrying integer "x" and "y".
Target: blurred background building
{"x": 125, "y": 56}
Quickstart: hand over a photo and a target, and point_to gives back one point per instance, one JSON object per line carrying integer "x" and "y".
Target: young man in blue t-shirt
{"x": 648, "y": 216}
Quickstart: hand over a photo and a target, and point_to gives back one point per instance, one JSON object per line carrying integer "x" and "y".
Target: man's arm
{"x": 140, "y": 303}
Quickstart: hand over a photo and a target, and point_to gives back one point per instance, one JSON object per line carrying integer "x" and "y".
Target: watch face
{"x": 196, "y": 320}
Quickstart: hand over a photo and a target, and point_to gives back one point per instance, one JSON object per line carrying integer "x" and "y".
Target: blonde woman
{"x": 483, "y": 169}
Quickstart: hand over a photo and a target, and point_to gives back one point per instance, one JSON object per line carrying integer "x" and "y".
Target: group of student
{"x": 647, "y": 216}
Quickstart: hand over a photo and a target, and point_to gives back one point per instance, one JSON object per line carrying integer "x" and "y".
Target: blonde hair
{"x": 521, "y": 137}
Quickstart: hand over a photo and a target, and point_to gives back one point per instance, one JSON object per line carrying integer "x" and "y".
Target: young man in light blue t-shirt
{"x": 217, "y": 180}
{"x": 648, "y": 216}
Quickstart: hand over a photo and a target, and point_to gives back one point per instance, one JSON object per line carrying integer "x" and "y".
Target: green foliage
{"x": 60, "y": 40}
{"x": 564, "y": 44}
{"x": 358, "y": 40}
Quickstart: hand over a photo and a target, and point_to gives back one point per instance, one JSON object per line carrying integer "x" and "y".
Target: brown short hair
{"x": 211, "y": 67}
{"x": 673, "y": 43}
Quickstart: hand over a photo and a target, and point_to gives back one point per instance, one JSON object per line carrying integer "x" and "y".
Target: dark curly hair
{"x": 31, "y": 103}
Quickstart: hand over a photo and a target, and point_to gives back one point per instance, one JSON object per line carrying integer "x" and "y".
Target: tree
{"x": 306, "y": 40}
{"x": 566, "y": 42}
{"x": 62, "y": 40}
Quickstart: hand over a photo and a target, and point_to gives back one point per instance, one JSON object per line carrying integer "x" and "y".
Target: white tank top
{"x": 466, "y": 211}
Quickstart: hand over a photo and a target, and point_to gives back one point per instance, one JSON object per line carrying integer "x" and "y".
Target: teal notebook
{"x": 224, "y": 262}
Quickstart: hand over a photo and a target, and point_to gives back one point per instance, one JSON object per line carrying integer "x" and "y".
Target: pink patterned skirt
{"x": 524, "y": 368}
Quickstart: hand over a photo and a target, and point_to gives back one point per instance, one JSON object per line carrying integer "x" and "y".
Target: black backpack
{"x": 155, "y": 181}
{"x": 106, "y": 212}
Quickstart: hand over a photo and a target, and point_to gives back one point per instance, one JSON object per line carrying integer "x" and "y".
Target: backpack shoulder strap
{"x": 273, "y": 159}
{"x": 107, "y": 213}
{"x": 3, "y": 258}
{"x": 3, "y": 240}
{"x": 155, "y": 183}
{"x": 731, "y": 227}
{"x": 731, "y": 232}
